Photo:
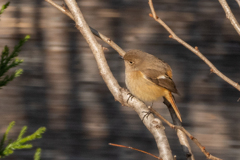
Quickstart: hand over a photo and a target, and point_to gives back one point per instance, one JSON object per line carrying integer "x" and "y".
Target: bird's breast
{"x": 143, "y": 88}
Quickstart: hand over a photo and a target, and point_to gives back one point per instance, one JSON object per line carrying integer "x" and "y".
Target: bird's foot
{"x": 147, "y": 113}
{"x": 130, "y": 96}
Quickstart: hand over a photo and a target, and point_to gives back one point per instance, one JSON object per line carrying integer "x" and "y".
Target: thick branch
{"x": 194, "y": 50}
{"x": 96, "y": 49}
{"x": 119, "y": 93}
{"x": 230, "y": 15}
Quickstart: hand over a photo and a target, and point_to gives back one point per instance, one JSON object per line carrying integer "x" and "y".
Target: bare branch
{"x": 230, "y": 15}
{"x": 194, "y": 50}
{"x": 160, "y": 137}
{"x": 107, "y": 40}
{"x": 120, "y": 94}
{"x": 238, "y": 1}
{"x": 139, "y": 150}
{"x": 207, "y": 154}
{"x": 181, "y": 135}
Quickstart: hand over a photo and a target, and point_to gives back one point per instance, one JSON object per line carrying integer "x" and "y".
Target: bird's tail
{"x": 171, "y": 100}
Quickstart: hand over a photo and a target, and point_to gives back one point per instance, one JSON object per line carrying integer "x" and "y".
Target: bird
{"x": 149, "y": 78}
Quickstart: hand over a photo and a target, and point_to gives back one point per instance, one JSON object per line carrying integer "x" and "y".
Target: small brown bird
{"x": 149, "y": 78}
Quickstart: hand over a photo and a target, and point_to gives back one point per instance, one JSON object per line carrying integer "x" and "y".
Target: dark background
{"x": 62, "y": 90}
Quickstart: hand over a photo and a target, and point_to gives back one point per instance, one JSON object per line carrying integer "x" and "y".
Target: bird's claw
{"x": 147, "y": 113}
{"x": 130, "y": 96}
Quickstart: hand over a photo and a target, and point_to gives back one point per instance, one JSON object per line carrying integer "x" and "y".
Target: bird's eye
{"x": 131, "y": 62}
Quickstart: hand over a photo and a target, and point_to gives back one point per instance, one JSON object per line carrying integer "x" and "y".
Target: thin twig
{"x": 230, "y": 15}
{"x": 207, "y": 154}
{"x": 139, "y": 150}
{"x": 107, "y": 40}
{"x": 194, "y": 50}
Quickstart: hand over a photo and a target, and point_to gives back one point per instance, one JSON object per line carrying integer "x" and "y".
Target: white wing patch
{"x": 161, "y": 77}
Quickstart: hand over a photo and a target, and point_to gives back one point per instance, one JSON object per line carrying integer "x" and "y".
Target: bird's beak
{"x": 121, "y": 57}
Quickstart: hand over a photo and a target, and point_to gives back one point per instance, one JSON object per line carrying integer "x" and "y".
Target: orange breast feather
{"x": 143, "y": 88}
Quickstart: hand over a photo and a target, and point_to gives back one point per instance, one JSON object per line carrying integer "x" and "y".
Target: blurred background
{"x": 62, "y": 90}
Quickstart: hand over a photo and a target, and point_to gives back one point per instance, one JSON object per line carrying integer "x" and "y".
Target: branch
{"x": 107, "y": 40}
{"x": 206, "y": 153}
{"x": 181, "y": 135}
{"x": 238, "y": 1}
{"x": 194, "y": 50}
{"x": 139, "y": 150}
{"x": 120, "y": 94}
{"x": 230, "y": 15}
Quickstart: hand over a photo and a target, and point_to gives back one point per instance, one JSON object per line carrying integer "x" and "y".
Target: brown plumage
{"x": 149, "y": 78}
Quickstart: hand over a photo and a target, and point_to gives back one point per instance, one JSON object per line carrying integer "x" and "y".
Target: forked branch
{"x": 205, "y": 152}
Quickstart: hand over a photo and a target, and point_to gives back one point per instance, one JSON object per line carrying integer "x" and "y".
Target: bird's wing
{"x": 160, "y": 78}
